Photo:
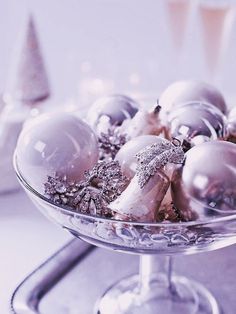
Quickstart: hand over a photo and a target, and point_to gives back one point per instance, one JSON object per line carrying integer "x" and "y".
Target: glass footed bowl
{"x": 155, "y": 289}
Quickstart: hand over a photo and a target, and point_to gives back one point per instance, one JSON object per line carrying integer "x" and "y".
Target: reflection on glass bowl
{"x": 150, "y": 240}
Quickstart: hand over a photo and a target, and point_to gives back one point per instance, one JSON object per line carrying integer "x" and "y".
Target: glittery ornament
{"x": 110, "y": 143}
{"x": 197, "y": 122}
{"x": 126, "y": 155}
{"x": 181, "y": 92}
{"x": 205, "y": 184}
{"x": 52, "y": 144}
{"x": 111, "y": 111}
{"x": 101, "y": 185}
{"x": 142, "y": 199}
{"x": 31, "y": 84}
{"x": 156, "y": 156}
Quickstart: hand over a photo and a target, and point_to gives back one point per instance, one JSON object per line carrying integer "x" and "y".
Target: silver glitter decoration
{"x": 101, "y": 185}
{"x": 155, "y": 157}
{"x": 31, "y": 84}
{"x": 110, "y": 143}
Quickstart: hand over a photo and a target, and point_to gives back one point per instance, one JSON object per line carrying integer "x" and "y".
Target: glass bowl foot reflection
{"x": 158, "y": 292}
{"x": 187, "y": 297}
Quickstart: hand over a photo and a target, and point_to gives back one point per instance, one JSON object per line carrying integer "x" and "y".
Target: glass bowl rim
{"x": 67, "y": 210}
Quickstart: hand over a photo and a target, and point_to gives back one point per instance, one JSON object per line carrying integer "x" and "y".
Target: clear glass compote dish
{"x": 155, "y": 289}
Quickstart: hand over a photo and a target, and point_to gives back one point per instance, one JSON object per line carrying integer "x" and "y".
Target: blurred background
{"x": 95, "y": 47}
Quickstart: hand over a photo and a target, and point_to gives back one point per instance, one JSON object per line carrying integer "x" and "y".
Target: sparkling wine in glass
{"x": 178, "y": 11}
{"x": 216, "y": 24}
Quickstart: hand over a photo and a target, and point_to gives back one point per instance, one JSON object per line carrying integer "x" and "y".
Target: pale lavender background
{"x": 127, "y": 44}
{"x": 138, "y": 58}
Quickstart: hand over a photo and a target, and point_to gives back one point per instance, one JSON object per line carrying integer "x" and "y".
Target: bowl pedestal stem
{"x": 156, "y": 290}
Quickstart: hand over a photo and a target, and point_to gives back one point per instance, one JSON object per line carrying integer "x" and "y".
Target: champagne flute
{"x": 216, "y": 21}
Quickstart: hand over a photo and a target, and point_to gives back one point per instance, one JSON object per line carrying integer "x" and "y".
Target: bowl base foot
{"x": 182, "y": 296}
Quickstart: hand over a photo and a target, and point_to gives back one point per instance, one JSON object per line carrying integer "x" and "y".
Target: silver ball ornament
{"x": 112, "y": 110}
{"x": 181, "y": 92}
{"x": 206, "y": 183}
{"x": 196, "y": 122}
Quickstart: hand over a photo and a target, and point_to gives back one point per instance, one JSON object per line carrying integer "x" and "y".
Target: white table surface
{"x": 26, "y": 240}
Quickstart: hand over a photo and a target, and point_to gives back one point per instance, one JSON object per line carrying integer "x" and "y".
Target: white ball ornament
{"x": 55, "y": 144}
{"x": 126, "y": 155}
